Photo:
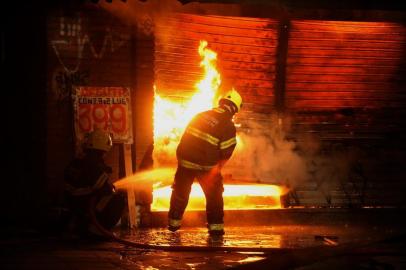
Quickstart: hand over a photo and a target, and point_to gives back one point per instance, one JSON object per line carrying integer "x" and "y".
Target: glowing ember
{"x": 171, "y": 116}
{"x": 254, "y": 196}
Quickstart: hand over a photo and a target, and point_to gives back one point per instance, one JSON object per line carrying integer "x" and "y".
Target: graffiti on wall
{"x": 63, "y": 82}
{"x": 72, "y": 44}
{"x": 73, "y": 38}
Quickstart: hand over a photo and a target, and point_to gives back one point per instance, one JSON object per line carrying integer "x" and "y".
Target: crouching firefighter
{"x": 88, "y": 190}
{"x": 207, "y": 143}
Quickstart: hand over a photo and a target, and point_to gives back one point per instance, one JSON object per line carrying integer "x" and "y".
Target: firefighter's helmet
{"x": 100, "y": 140}
{"x": 234, "y": 97}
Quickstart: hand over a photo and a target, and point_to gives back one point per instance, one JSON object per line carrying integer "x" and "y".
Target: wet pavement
{"x": 278, "y": 237}
{"x": 38, "y": 251}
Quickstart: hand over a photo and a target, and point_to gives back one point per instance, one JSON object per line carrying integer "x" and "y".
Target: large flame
{"x": 171, "y": 116}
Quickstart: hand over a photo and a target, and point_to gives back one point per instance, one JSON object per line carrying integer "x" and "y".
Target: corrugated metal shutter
{"x": 345, "y": 83}
{"x": 353, "y": 68}
{"x": 245, "y": 47}
{"x": 246, "y": 55}
{"x": 344, "y": 64}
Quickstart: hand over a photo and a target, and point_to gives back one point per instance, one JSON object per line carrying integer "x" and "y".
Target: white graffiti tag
{"x": 72, "y": 36}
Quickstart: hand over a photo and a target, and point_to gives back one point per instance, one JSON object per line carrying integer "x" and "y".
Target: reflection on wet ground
{"x": 188, "y": 260}
{"x": 285, "y": 237}
{"x": 38, "y": 251}
{"x": 279, "y": 237}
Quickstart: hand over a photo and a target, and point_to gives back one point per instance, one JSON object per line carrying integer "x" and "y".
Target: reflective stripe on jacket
{"x": 191, "y": 165}
{"x": 208, "y": 139}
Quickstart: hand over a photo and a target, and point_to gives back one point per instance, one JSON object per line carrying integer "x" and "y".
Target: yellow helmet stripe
{"x": 228, "y": 143}
{"x": 203, "y": 135}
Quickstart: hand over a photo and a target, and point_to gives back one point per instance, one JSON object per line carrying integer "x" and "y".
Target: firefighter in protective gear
{"x": 207, "y": 143}
{"x": 88, "y": 187}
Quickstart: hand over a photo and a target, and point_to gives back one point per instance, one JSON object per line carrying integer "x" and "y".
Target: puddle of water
{"x": 256, "y": 236}
{"x": 251, "y": 259}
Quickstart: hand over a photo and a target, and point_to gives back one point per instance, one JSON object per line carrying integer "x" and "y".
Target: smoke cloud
{"x": 265, "y": 154}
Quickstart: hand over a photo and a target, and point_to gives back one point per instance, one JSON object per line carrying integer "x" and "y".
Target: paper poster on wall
{"x": 106, "y": 108}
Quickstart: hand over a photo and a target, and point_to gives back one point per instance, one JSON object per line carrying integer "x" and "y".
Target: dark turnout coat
{"x": 209, "y": 140}
{"x": 86, "y": 181}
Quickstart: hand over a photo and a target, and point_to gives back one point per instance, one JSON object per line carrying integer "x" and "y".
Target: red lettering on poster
{"x": 85, "y": 120}
{"x": 100, "y": 116}
{"x": 106, "y": 108}
{"x": 118, "y": 118}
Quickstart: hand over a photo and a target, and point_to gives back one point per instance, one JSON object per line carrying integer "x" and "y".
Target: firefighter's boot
{"x": 174, "y": 224}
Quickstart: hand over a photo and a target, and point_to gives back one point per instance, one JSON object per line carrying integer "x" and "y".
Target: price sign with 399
{"x": 106, "y": 108}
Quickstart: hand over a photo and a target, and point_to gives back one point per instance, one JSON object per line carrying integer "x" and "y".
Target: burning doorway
{"x": 183, "y": 90}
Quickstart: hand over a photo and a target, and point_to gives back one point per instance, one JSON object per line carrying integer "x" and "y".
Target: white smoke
{"x": 265, "y": 155}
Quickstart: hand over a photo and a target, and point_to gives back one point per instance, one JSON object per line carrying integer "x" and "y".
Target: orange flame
{"x": 243, "y": 196}
{"x": 172, "y": 116}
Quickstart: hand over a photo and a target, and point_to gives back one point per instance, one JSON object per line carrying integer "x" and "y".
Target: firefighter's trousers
{"x": 212, "y": 185}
